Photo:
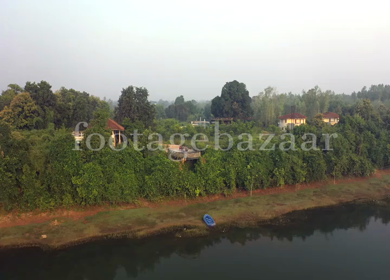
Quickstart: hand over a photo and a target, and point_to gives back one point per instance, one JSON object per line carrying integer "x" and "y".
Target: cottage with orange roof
{"x": 115, "y": 131}
{"x": 291, "y": 120}
{"x": 331, "y": 118}
{"x": 111, "y": 125}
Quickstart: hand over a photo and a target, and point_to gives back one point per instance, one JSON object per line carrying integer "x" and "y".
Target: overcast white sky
{"x": 192, "y": 48}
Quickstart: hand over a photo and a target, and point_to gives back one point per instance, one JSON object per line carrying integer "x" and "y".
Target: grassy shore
{"x": 187, "y": 220}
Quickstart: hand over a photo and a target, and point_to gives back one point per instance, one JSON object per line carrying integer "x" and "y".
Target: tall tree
{"x": 365, "y": 109}
{"x": 134, "y": 105}
{"x": 179, "y": 100}
{"x": 217, "y": 107}
{"x": 22, "y": 113}
{"x": 311, "y": 101}
{"x": 324, "y": 99}
{"x": 234, "y": 102}
{"x": 44, "y": 97}
{"x": 74, "y": 106}
{"x": 41, "y": 93}
{"x": 268, "y": 106}
{"x": 7, "y": 95}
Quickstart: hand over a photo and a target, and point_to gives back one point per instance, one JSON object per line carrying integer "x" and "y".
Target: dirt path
{"x": 21, "y": 219}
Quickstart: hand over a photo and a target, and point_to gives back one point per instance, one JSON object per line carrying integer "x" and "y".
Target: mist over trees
{"x": 269, "y": 104}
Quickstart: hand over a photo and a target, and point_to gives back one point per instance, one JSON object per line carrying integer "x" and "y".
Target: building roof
{"x": 200, "y": 122}
{"x": 330, "y": 115}
{"x": 113, "y": 125}
{"x": 222, "y": 119}
{"x": 292, "y": 116}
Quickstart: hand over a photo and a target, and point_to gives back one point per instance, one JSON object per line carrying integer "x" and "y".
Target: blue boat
{"x": 208, "y": 220}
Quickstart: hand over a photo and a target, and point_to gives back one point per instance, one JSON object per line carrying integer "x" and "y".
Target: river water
{"x": 344, "y": 242}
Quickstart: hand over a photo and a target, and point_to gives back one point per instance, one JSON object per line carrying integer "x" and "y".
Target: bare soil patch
{"x": 17, "y": 218}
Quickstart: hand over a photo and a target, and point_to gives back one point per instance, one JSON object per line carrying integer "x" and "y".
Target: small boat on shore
{"x": 208, "y": 220}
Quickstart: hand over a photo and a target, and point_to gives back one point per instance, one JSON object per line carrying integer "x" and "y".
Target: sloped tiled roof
{"x": 292, "y": 116}
{"x": 328, "y": 115}
{"x": 113, "y": 125}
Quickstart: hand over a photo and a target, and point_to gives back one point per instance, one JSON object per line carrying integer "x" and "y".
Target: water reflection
{"x": 101, "y": 260}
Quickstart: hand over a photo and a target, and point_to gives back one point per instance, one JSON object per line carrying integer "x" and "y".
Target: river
{"x": 343, "y": 242}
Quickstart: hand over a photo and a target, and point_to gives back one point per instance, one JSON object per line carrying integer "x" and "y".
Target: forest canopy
{"x": 39, "y": 168}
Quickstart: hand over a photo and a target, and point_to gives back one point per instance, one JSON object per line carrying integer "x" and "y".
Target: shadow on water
{"x": 100, "y": 260}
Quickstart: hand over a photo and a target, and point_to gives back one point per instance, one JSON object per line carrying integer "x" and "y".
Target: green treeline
{"x": 36, "y": 106}
{"x": 266, "y": 106}
{"x": 39, "y": 168}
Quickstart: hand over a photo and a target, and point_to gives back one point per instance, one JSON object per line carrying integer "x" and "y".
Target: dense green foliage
{"x": 234, "y": 102}
{"x": 36, "y": 106}
{"x": 133, "y": 105}
{"x": 40, "y": 168}
{"x": 22, "y": 113}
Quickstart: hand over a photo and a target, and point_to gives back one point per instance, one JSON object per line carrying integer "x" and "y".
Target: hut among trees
{"x": 112, "y": 125}
{"x": 331, "y": 118}
{"x": 115, "y": 131}
{"x": 222, "y": 120}
{"x": 291, "y": 120}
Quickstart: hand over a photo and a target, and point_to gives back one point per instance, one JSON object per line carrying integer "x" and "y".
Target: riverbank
{"x": 55, "y": 230}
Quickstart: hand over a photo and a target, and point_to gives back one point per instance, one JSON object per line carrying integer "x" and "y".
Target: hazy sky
{"x": 192, "y": 48}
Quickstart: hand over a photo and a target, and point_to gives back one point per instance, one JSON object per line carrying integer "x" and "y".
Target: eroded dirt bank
{"x": 64, "y": 228}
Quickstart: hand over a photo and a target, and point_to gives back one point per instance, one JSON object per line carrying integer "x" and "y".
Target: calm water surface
{"x": 346, "y": 242}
